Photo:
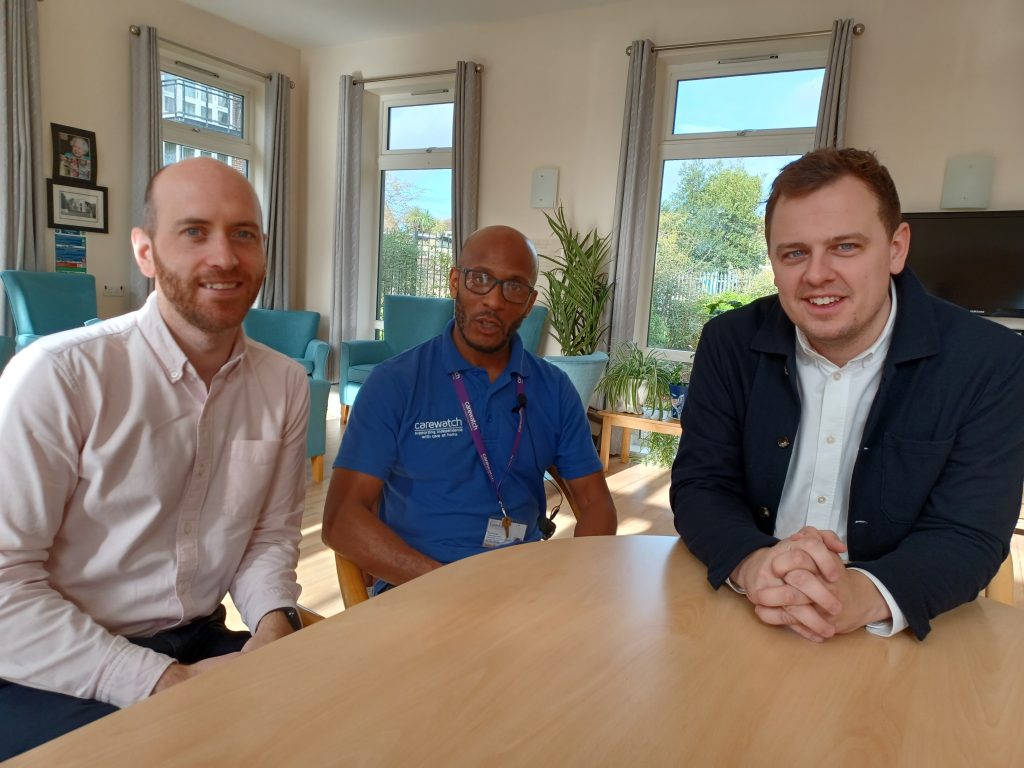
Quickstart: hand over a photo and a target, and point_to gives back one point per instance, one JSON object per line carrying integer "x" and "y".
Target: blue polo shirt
{"x": 407, "y": 428}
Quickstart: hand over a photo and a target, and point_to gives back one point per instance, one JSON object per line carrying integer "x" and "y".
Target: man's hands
{"x": 272, "y": 626}
{"x": 802, "y": 583}
{"x": 179, "y": 673}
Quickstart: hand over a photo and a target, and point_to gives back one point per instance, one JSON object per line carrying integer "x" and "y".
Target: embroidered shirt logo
{"x": 431, "y": 430}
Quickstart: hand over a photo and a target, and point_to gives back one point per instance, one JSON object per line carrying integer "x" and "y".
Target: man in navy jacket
{"x": 853, "y": 452}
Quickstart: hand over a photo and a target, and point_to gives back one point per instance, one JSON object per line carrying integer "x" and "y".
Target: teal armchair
{"x": 293, "y": 333}
{"x": 408, "y": 321}
{"x": 47, "y": 302}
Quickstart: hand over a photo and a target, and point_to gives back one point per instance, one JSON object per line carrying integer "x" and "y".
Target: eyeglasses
{"x": 482, "y": 283}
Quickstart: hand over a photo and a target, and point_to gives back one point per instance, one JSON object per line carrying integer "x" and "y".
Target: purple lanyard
{"x": 478, "y": 441}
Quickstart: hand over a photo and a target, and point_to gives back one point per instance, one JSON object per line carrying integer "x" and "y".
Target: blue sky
{"x": 746, "y": 102}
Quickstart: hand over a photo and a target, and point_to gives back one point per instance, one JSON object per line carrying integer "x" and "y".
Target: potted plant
{"x": 637, "y": 381}
{"x": 576, "y": 295}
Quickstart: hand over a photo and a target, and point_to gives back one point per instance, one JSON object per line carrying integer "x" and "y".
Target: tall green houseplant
{"x": 578, "y": 289}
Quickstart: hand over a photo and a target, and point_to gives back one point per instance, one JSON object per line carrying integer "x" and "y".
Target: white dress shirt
{"x": 133, "y": 499}
{"x": 834, "y": 406}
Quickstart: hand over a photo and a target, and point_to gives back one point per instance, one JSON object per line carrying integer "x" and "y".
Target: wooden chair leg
{"x": 344, "y": 414}
{"x": 318, "y": 468}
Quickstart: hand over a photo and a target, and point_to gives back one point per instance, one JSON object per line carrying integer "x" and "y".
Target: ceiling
{"x": 317, "y": 23}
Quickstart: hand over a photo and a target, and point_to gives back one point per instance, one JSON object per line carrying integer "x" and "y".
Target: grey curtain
{"x": 631, "y": 189}
{"x": 276, "y": 290}
{"x": 145, "y": 64}
{"x": 465, "y": 153}
{"x": 22, "y": 192}
{"x": 831, "y": 131}
{"x": 345, "y": 256}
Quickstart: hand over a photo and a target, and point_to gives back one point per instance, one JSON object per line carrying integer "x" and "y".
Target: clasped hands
{"x": 802, "y": 583}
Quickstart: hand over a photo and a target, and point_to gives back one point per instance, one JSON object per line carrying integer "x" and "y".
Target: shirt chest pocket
{"x": 910, "y": 469}
{"x": 250, "y": 471}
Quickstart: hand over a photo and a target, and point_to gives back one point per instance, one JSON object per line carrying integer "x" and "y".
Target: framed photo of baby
{"x": 74, "y": 155}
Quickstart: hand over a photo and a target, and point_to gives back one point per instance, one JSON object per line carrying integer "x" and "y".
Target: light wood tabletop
{"x": 609, "y": 651}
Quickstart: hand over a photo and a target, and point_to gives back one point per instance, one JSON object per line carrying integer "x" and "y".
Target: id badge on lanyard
{"x": 502, "y": 530}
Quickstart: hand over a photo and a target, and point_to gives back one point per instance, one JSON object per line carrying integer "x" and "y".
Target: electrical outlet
{"x": 113, "y": 290}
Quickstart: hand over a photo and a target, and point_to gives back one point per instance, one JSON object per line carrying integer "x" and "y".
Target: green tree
{"x": 714, "y": 215}
{"x": 710, "y": 245}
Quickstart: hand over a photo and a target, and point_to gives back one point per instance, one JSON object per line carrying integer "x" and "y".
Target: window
{"x": 729, "y": 120}
{"x": 415, "y": 244}
{"x": 207, "y": 112}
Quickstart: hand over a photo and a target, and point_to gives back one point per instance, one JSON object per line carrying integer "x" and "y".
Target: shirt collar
{"x": 875, "y": 353}
{"x": 519, "y": 361}
{"x": 172, "y": 359}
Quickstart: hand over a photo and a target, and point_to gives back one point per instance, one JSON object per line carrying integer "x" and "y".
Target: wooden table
{"x": 608, "y": 651}
{"x": 629, "y": 422}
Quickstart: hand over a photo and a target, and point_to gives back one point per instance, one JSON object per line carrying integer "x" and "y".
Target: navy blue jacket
{"x": 936, "y": 487}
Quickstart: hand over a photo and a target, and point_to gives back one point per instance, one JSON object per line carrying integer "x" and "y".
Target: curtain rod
{"x": 858, "y": 29}
{"x": 360, "y": 81}
{"x": 135, "y": 30}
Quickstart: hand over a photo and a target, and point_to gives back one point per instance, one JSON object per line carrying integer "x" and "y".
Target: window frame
{"x": 796, "y": 54}
{"x": 195, "y": 67}
{"x": 426, "y": 158}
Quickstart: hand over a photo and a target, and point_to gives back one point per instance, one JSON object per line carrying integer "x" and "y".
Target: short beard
{"x": 176, "y": 291}
{"x": 460, "y": 322}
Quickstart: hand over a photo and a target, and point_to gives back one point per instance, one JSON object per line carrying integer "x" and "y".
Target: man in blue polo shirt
{"x": 445, "y": 452}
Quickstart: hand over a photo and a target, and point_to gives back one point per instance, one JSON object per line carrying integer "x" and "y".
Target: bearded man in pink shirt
{"x": 150, "y": 464}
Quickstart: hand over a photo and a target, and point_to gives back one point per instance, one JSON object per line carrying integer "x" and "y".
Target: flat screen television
{"x": 971, "y": 258}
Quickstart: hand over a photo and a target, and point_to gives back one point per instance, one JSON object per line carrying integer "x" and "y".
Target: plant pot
{"x": 678, "y": 392}
{"x": 583, "y": 370}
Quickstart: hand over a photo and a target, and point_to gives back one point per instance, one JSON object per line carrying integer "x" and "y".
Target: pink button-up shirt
{"x": 132, "y": 499}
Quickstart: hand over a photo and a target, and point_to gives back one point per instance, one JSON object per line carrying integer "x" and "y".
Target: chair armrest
{"x": 361, "y": 352}
{"x": 24, "y": 339}
{"x": 318, "y": 351}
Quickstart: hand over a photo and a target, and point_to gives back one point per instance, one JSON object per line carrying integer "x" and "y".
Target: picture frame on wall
{"x": 74, "y": 155}
{"x": 70, "y": 206}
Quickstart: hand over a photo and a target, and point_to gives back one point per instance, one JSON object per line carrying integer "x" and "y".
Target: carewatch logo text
{"x": 431, "y": 430}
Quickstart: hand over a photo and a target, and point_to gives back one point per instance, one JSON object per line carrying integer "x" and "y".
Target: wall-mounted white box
{"x": 544, "y": 189}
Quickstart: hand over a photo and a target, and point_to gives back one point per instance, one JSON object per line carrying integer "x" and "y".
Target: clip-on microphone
{"x": 546, "y": 525}
{"x": 520, "y": 403}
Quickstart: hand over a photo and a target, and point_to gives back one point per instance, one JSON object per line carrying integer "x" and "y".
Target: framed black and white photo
{"x": 74, "y": 155}
{"x": 72, "y": 207}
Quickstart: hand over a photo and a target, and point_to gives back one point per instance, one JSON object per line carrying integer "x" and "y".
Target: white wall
{"x": 931, "y": 79}
{"x": 84, "y": 59}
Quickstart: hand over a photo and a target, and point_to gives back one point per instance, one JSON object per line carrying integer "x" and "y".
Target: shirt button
{"x": 763, "y": 513}
{"x": 837, "y": 376}
{"x": 783, "y": 442}
{"x": 821, "y": 499}
{"x": 175, "y": 375}
{"x": 201, "y": 470}
{"x": 188, "y": 528}
{"x": 830, "y": 439}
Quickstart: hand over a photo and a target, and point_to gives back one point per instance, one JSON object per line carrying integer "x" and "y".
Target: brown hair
{"x": 822, "y": 167}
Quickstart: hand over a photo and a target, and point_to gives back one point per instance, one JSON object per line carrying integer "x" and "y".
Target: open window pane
{"x": 711, "y": 243}
{"x": 748, "y": 102}
{"x": 175, "y": 152}
{"x": 193, "y": 103}
{"x": 420, "y": 126}
{"x": 416, "y": 233}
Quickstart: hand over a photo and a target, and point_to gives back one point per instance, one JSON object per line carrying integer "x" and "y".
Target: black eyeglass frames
{"x": 481, "y": 283}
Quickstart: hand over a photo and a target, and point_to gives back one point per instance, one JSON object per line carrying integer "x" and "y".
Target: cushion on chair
{"x": 358, "y": 373}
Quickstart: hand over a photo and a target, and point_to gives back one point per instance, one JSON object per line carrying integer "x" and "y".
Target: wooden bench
{"x": 629, "y": 422}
